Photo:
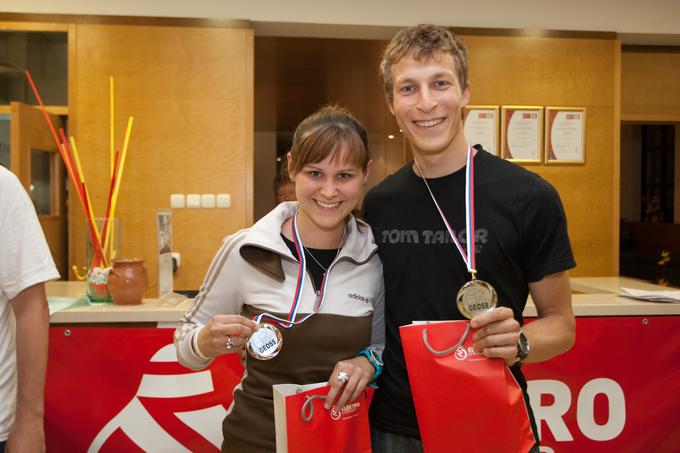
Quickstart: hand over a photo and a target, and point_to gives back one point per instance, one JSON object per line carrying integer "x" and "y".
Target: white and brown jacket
{"x": 255, "y": 272}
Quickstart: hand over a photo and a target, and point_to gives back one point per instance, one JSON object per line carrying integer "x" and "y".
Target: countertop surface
{"x": 592, "y": 296}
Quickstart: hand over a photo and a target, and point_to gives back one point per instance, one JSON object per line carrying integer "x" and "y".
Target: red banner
{"x": 122, "y": 390}
{"x": 616, "y": 390}
{"x": 119, "y": 390}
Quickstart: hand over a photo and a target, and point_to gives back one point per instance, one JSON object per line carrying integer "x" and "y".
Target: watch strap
{"x": 374, "y": 359}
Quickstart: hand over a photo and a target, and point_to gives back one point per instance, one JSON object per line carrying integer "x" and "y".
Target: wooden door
{"x": 36, "y": 161}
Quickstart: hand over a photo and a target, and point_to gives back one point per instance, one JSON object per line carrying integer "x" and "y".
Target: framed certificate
{"x": 565, "y": 135}
{"x": 480, "y": 125}
{"x": 521, "y": 133}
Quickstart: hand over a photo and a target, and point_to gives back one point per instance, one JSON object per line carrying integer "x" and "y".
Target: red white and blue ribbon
{"x": 468, "y": 254}
{"x": 297, "y": 297}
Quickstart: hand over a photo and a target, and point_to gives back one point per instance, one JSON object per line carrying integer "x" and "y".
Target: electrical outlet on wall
{"x": 208, "y": 200}
{"x": 223, "y": 200}
{"x": 193, "y": 200}
{"x": 177, "y": 201}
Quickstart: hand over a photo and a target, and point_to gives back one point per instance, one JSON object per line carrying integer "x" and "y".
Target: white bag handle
{"x": 449, "y": 350}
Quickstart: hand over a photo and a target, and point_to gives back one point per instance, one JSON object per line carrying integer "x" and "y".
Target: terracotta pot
{"x": 127, "y": 281}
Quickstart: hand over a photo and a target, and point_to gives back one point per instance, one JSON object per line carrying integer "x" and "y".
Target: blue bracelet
{"x": 375, "y": 360}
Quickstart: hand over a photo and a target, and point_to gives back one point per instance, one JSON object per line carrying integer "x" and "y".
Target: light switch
{"x": 208, "y": 200}
{"x": 177, "y": 200}
{"x": 193, "y": 200}
{"x": 223, "y": 200}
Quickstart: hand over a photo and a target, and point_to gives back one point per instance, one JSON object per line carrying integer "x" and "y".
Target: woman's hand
{"x": 224, "y": 334}
{"x": 348, "y": 380}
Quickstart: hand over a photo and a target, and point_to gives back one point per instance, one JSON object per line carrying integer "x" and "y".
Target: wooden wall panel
{"x": 650, "y": 88}
{"x": 565, "y": 72}
{"x": 295, "y": 76}
{"x": 557, "y": 71}
{"x": 191, "y": 93}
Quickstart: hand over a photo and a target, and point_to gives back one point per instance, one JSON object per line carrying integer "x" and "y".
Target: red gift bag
{"x": 464, "y": 401}
{"x": 304, "y": 426}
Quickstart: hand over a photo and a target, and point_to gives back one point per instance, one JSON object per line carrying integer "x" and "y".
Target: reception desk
{"x": 114, "y": 384}
{"x": 592, "y": 296}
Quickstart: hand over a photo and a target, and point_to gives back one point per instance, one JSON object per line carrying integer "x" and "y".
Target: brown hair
{"x": 323, "y": 133}
{"x": 423, "y": 41}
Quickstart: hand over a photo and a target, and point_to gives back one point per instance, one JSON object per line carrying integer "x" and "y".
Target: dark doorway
{"x": 650, "y": 237}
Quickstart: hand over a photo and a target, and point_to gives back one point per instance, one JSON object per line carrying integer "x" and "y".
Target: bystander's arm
{"x": 32, "y": 327}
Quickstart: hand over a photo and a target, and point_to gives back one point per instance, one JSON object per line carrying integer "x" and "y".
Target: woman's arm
{"x": 359, "y": 370}
{"x": 202, "y": 333}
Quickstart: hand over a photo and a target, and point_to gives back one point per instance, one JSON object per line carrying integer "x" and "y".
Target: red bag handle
{"x": 449, "y": 350}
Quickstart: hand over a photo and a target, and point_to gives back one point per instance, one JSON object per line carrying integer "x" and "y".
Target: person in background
{"x": 284, "y": 188}
{"x": 25, "y": 265}
{"x": 419, "y": 213}
{"x": 256, "y": 273}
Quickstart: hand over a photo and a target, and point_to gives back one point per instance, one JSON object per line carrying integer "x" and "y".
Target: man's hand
{"x": 496, "y": 334}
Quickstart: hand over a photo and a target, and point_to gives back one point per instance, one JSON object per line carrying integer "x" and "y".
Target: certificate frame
{"x": 578, "y": 155}
{"x": 492, "y": 135}
{"x": 534, "y": 155}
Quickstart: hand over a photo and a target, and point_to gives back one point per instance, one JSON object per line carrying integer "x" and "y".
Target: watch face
{"x": 523, "y": 345}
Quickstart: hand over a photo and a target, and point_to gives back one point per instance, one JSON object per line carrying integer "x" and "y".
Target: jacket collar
{"x": 264, "y": 248}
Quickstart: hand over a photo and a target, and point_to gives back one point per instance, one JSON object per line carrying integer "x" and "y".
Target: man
{"x": 520, "y": 236}
{"x": 284, "y": 188}
{"x": 25, "y": 264}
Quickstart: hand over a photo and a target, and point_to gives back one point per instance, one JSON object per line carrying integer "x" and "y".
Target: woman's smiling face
{"x": 328, "y": 191}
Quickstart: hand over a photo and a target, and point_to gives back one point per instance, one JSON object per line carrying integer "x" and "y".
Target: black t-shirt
{"x": 520, "y": 237}
{"x": 318, "y": 260}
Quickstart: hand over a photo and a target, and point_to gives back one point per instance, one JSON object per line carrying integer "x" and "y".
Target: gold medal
{"x": 265, "y": 343}
{"x": 476, "y": 297}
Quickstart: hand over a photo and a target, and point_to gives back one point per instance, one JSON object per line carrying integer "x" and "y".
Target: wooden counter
{"x": 592, "y": 296}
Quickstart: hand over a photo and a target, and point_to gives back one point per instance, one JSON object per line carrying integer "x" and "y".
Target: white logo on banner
{"x": 141, "y": 428}
{"x": 553, "y": 414}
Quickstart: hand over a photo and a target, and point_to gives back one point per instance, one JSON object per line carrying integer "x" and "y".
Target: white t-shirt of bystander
{"x": 25, "y": 260}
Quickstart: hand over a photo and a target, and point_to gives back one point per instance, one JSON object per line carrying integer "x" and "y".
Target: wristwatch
{"x": 522, "y": 348}
{"x": 375, "y": 360}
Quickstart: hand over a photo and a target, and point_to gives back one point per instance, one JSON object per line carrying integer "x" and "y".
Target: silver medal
{"x": 265, "y": 343}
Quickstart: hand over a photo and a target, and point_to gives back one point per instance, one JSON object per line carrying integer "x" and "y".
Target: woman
{"x": 334, "y": 304}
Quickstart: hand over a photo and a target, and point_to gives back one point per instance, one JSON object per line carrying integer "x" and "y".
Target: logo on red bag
{"x": 347, "y": 412}
{"x": 463, "y": 353}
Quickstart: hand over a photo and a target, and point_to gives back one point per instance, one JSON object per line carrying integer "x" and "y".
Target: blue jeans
{"x": 2, "y": 446}
{"x": 383, "y": 442}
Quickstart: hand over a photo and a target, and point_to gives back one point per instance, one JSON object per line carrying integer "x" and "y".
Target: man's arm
{"x": 32, "y": 327}
{"x": 553, "y": 332}
{"x": 497, "y": 332}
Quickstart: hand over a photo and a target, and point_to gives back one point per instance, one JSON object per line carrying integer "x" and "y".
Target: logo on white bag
{"x": 347, "y": 412}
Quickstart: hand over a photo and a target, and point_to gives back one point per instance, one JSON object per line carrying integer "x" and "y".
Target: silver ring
{"x": 343, "y": 377}
{"x": 230, "y": 343}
